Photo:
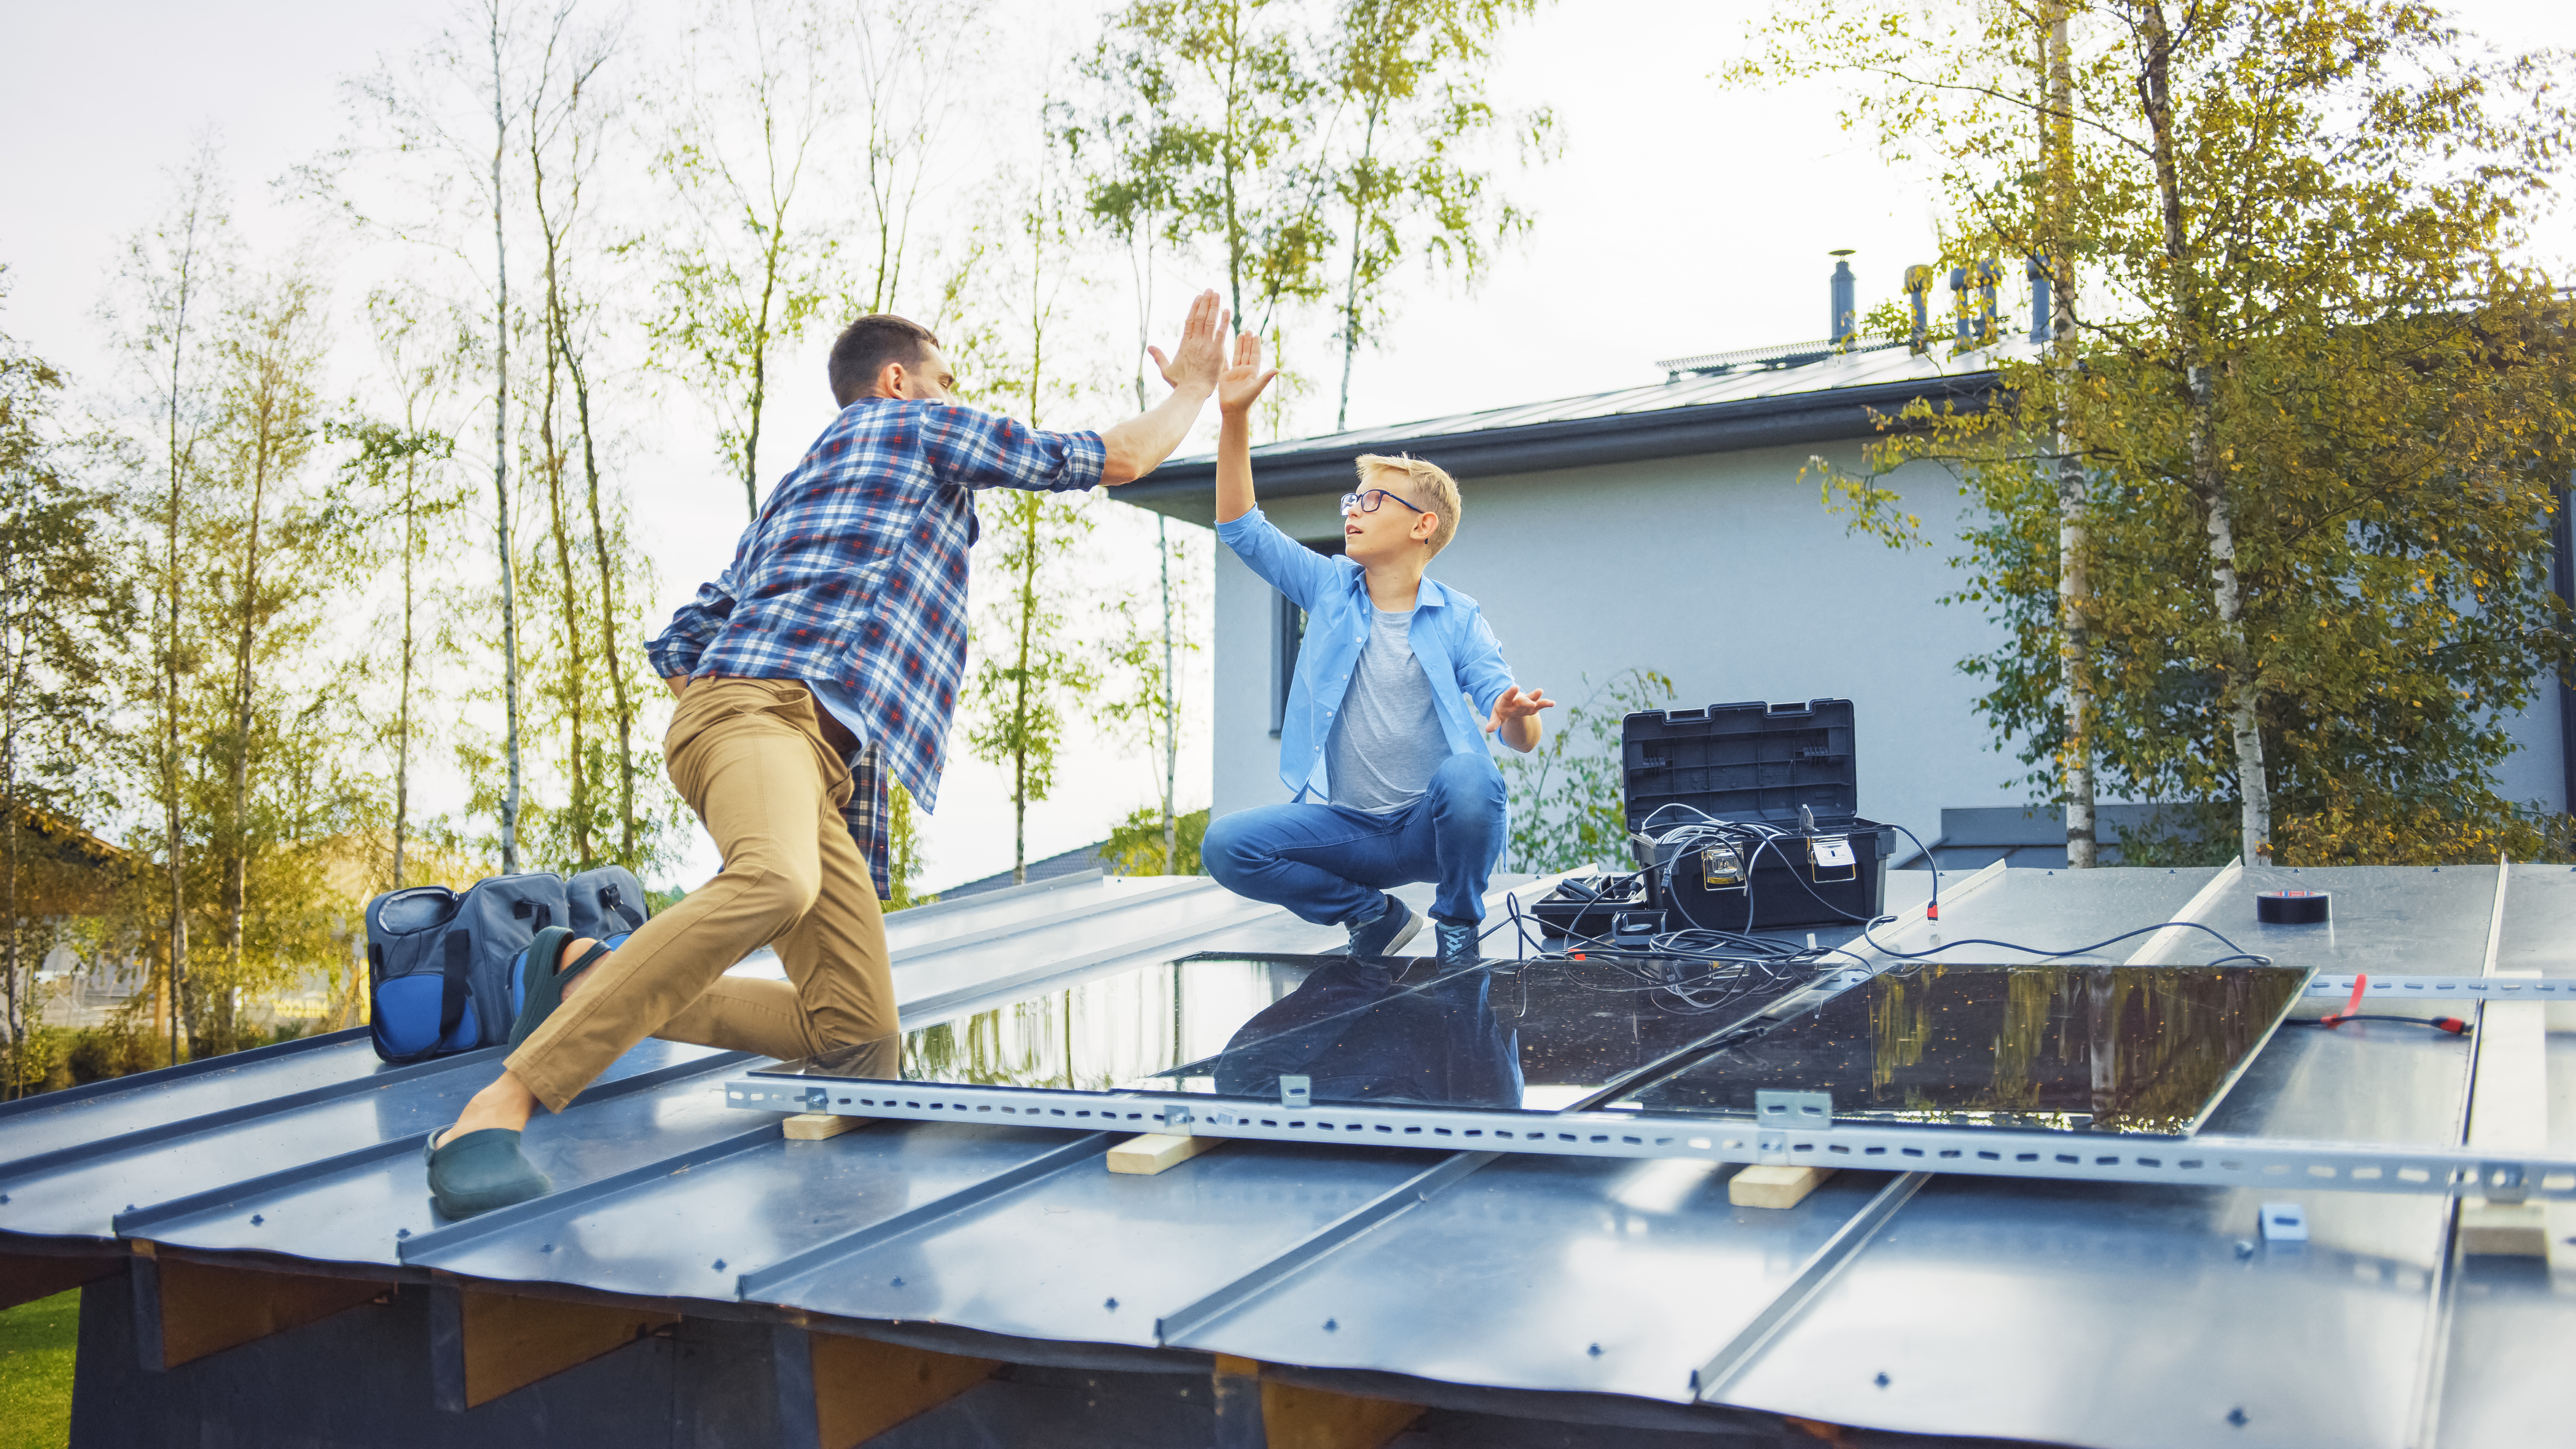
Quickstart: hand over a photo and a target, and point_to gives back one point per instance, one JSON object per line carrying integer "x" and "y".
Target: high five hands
{"x": 1516, "y": 716}
{"x": 1195, "y": 363}
{"x": 1241, "y": 384}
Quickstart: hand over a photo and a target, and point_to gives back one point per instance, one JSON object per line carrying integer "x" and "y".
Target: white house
{"x": 1666, "y": 527}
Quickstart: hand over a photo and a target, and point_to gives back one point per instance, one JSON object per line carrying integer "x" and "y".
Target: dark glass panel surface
{"x": 2138, "y": 1049}
{"x": 1537, "y": 1035}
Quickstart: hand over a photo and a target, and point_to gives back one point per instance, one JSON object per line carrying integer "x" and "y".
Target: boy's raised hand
{"x": 1240, "y": 385}
{"x": 1514, "y": 704}
{"x": 1195, "y": 363}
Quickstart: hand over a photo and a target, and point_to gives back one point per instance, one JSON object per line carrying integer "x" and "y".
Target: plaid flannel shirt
{"x": 855, "y": 572}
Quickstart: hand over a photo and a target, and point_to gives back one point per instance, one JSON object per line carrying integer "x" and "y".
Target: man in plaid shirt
{"x": 825, "y": 658}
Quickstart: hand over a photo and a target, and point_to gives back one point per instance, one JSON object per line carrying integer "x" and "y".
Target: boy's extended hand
{"x": 1516, "y": 717}
{"x": 1239, "y": 386}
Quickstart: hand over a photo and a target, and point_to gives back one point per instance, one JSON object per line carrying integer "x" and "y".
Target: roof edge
{"x": 1821, "y": 416}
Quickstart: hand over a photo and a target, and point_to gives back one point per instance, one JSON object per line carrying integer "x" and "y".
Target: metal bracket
{"x": 1176, "y": 1120}
{"x": 2502, "y": 1182}
{"x": 1296, "y": 1093}
{"x": 1776, "y": 1114}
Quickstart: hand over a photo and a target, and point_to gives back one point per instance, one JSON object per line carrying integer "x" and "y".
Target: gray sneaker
{"x": 1393, "y": 927}
{"x": 1459, "y": 943}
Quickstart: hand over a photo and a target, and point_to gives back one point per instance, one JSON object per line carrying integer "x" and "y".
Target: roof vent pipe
{"x": 1989, "y": 329}
{"x": 1918, "y": 288}
{"x": 2043, "y": 323}
{"x": 1962, "y": 321}
{"x": 1845, "y": 323}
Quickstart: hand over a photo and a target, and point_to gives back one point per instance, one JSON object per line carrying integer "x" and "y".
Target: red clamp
{"x": 2352, "y": 1008}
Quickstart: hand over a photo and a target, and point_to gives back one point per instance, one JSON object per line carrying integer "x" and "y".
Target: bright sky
{"x": 1684, "y": 217}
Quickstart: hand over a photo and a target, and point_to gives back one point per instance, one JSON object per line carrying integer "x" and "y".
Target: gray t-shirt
{"x": 1387, "y": 739}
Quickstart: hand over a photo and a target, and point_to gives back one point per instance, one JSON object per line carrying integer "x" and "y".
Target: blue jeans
{"x": 1331, "y": 864}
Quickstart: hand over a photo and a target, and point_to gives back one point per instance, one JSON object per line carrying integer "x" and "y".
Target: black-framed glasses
{"x": 1366, "y": 501}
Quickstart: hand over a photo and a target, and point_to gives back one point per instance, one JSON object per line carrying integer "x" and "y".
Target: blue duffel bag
{"x": 439, "y": 963}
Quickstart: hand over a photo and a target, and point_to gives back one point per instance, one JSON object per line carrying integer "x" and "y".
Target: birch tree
{"x": 66, "y": 604}
{"x": 2316, "y": 419}
{"x": 170, "y": 283}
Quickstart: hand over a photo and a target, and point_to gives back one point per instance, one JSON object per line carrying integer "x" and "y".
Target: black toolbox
{"x": 1788, "y": 766}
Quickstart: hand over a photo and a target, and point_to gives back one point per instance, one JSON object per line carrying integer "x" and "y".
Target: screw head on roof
{"x": 898, "y": 1282}
{"x": 1332, "y": 1325}
{"x": 1594, "y": 1350}
{"x": 402, "y": 1232}
{"x": 1112, "y": 1305}
{"x": 2237, "y": 1417}
{"x": 256, "y": 1220}
{"x": 719, "y": 1265}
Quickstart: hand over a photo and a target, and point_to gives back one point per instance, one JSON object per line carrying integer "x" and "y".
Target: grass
{"x": 36, "y": 1343}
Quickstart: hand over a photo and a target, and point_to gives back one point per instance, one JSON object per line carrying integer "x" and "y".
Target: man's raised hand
{"x": 1240, "y": 385}
{"x": 1200, "y": 357}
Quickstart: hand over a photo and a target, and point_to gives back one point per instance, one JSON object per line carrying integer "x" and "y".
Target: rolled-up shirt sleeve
{"x": 972, "y": 448}
{"x": 1285, "y": 564}
{"x": 693, "y": 627}
{"x": 1481, "y": 670}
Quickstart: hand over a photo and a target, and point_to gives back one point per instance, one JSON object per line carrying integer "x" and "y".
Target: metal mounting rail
{"x": 2059, "y": 1156}
{"x": 2448, "y": 988}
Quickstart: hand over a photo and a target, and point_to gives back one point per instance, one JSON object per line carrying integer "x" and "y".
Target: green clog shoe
{"x": 481, "y": 1171}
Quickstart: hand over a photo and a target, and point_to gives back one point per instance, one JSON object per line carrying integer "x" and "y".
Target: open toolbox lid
{"x": 1747, "y": 761}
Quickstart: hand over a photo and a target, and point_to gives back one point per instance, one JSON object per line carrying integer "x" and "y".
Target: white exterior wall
{"x": 1721, "y": 571}
{"x": 1724, "y": 572}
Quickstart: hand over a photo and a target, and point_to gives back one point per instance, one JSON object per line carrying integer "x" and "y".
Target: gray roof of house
{"x": 2098, "y": 1314}
{"x": 1833, "y": 398}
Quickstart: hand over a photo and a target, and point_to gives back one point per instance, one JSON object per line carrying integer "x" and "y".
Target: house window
{"x": 1287, "y": 634}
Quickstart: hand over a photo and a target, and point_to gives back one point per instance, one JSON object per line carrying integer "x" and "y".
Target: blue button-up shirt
{"x": 1449, "y": 635}
{"x": 854, "y": 575}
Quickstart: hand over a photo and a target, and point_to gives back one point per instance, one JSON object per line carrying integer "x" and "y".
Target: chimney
{"x": 2043, "y": 323}
{"x": 1846, "y": 324}
{"x": 1918, "y": 287}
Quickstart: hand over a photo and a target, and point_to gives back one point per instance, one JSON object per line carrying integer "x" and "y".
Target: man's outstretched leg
{"x": 747, "y": 756}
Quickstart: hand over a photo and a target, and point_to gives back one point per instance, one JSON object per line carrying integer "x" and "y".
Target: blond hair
{"x": 1432, "y": 487}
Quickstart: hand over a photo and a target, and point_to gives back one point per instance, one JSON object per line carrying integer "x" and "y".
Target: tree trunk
{"x": 174, "y": 843}
{"x": 760, "y": 365}
{"x": 579, "y": 801}
{"x": 1351, "y": 284}
{"x": 410, "y": 645}
{"x": 1171, "y": 706}
{"x": 2074, "y": 588}
{"x": 2208, "y": 463}
{"x": 15, "y": 666}
{"x": 245, "y": 681}
{"x": 501, "y": 474}
{"x": 608, "y": 624}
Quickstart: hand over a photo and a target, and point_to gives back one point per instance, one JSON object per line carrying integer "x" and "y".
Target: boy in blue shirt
{"x": 1391, "y": 776}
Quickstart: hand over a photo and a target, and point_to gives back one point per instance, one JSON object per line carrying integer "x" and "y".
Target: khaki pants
{"x": 749, "y": 756}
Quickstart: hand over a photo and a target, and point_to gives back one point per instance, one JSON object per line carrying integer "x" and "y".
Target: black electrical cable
{"x": 2452, "y": 1024}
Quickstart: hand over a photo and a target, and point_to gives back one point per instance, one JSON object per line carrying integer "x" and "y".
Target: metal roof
{"x": 1833, "y": 399}
{"x": 2068, "y": 1313}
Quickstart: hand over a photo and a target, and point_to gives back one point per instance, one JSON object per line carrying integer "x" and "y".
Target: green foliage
{"x": 1568, "y": 796}
{"x": 1135, "y": 846}
{"x": 65, "y": 607}
{"x": 1031, "y": 668}
{"x": 2319, "y": 413}
{"x": 1410, "y": 76}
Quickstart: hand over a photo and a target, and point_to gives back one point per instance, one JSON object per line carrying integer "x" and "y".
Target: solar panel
{"x": 1534, "y": 1036}
{"x": 2127, "y": 1049}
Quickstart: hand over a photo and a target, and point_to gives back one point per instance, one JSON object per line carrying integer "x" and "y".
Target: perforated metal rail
{"x": 2187, "y": 1161}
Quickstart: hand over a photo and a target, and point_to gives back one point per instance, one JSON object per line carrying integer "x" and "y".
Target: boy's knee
{"x": 1469, "y": 777}
{"x": 1225, "y": 849}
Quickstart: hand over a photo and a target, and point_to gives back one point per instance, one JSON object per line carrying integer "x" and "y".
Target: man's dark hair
{"x": 867, "y": 345}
